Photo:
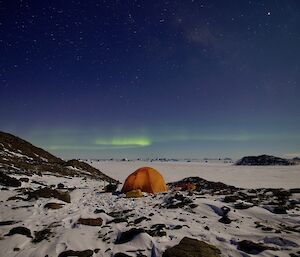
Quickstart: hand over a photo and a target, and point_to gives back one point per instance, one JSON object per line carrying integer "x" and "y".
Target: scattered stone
{"x": 20, "y": 230}
{"x": 243, "y": 205}
{"x": 8, "y": 181}
{"x": 139, "y": 220}
{"x": 280, "y": 241}
{"x": 41, "y": 235}
{"x": 90, "y": 221}
{"x": 99, "y": 211}
{"x": 111, "y": 188}
{"x": 189, "y": 247}
{"x": 127, "y": 236}
{"x": 24, "y": 179}
{"x": 117, "y": 220}
{"x": 53, "y": 206}
{"x": 85, "y": 253}
{"x": 231, "y": 198}
{"x": 13, "y": 198}
{"x": 48, "y": 193}
{"x": 8, "y": 222}
{"x": 121, "y": 255}
{"x": 295, "y": 190}
{"x": 225, "y": 220}
{"x": 60, "y": 186}
{"x": 250, "y": 247}
{"x": 118, "y": 214}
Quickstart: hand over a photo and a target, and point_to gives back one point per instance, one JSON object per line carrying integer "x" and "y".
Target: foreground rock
{"x": 189, "y": 247}
{"x": 264, "y": 160}
{"x": 8, "y": 181}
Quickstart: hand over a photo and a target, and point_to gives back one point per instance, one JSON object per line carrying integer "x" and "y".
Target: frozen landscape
{"x": 156, "y": 222}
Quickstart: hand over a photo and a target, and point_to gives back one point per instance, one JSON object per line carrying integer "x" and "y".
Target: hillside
{"x": 20, "y": 156}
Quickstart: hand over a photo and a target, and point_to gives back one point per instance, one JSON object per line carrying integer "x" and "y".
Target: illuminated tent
{"x": 146, "y": 179}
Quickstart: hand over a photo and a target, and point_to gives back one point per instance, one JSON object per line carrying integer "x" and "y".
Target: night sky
{"x": 190, "y": 79}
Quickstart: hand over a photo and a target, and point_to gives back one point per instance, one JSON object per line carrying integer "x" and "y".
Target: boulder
{"x": 189, "y": 247}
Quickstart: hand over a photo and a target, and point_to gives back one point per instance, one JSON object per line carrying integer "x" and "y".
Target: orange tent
{"x": 146, "y": 179}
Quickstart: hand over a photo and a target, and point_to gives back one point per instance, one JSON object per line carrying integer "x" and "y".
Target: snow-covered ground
{"x": 239, "y": 176}
{"x": 200, "y": 222}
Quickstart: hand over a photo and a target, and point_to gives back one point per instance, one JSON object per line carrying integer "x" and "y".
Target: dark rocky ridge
{"x": 263, "y": 160}
{"x": 20, "y": 156}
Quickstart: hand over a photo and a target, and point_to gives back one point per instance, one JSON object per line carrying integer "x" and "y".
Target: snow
{"x": 239, "y": 176}
{"x": 68, "y": 235}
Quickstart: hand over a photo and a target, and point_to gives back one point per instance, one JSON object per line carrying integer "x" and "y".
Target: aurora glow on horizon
{"x": 139, "y": 79}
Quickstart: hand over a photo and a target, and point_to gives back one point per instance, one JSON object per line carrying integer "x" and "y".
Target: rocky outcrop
{"x": 20, "y": 156}
{"x": 264, "y": 160}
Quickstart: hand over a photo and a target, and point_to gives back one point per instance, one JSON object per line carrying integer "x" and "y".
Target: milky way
{"x": 152, "y": 78}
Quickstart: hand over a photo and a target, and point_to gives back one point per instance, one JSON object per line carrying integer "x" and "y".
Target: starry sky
{"x": 133, "y": 78}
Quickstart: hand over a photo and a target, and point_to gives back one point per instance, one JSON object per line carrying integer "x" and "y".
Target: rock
{"x": 231, "y": 198}
{"x": 90, "y": 221}
{"x": 250, "y": 247}
{"x": 48, "y": 193}
{"x": 85, "y": 253}
{"x": 139, "y": 220}
{"x": 117, "y": 220}
{"x": 189, "y": 247}
{"x": 279, "y": 210}
{"x": 111, "y": 188}
{"x": 225, "y": 220}
{"x": 12, "y": 198}
{"x": 53, "y": 206}
{"x": 8, "y": 181}
{"x": 41, "y": 235}
{"x": 99, "y": 211}
{"x": 280, "y": 241}
{"x": 295, "y": 190}
{"x": 60, "y": 186}
{"x": 20, "y": 230}
{"x": 7, "y": 222}
{"x": 127, "y": 236}
{"x": 24, "y": 179}
{"x": 243, "y": 205}
{"x": 121, "y": 255}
